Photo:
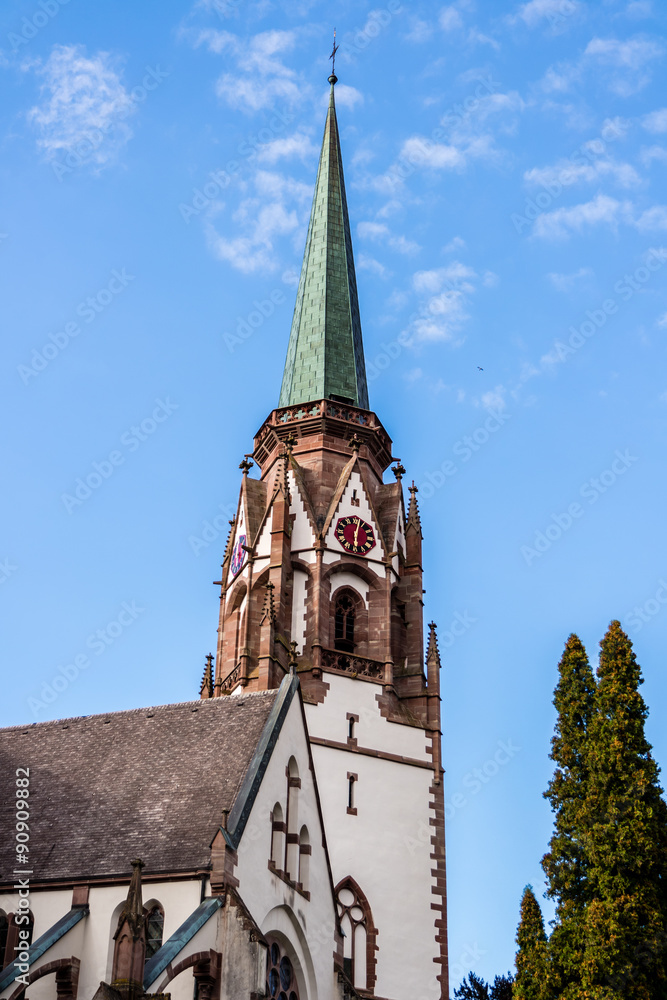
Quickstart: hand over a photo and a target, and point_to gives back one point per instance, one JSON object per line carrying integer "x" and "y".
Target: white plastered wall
{"x": 309, "y": 925}
{"x": 386, "y": 847}
{"x": 328, "y": 720}
{"x": 92, "y": 939}
{"x": 299, "y": 608}
{"x": 302, "y": 532}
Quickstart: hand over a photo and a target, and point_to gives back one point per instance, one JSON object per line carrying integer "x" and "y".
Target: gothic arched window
{"x": 344, "y": 616}
{"x": 278, "y": 837}
{"x": 154, "y": 930}
{"x": 305, "y": 851}
{"x": 356, "y": 922}
{"x": 281, "y": 981}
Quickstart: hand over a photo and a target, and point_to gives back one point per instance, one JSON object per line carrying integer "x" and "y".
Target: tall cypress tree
{"x": 565, "y": 864}
{"x": 532, "y": 971}
{"x": 625, "y": 838}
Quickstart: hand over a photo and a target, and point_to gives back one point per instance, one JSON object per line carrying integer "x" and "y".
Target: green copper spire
{"x": 325, "y": 356}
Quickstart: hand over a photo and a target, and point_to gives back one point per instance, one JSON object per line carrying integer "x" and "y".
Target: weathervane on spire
{"x": 333, "y": 59}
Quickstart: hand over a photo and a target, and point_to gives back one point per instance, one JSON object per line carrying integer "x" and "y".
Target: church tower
{"x": 322, "y": 576}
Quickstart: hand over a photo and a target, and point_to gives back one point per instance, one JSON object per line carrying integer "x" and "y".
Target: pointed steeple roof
{"x": 325, "y": 356}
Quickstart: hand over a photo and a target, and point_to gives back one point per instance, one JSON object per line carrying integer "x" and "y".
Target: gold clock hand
{"x": 356, "y": 534}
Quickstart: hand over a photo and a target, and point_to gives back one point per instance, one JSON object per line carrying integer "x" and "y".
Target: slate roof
{"x": 148, "y": 783}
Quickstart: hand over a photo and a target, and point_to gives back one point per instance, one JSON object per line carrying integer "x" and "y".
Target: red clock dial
{"x": 355, "y": 535}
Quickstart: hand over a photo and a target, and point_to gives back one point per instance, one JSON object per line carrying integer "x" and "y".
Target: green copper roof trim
{"x": 325, "y": 356}
{"x": 156, "y": 965}
{"x": 43, "y": 943}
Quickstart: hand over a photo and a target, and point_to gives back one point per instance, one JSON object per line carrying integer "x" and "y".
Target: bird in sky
{"x": 479, "y": 369}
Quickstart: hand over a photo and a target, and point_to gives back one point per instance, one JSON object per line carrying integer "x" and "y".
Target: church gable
{"x": 248, "y": 522}
{"x": 303, "y": 525}
{"x": 354, "y": 505}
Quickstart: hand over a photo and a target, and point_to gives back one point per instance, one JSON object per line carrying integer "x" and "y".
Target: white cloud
{"x": 629, "y": 58}
{"x": 653, "y": 218}
{"x": 566, "y": 282}
{"x": 455, "y": 277}
{"x": 297, "y": 145}
{"x": 662, "y": 321}
{"x": 627, "y": 64}
{"x": 252, "y": 94}
{"x": 494, "y": 399}
{"x": 652, "y": 153}
{"x": 602, "y": 210}
{"x": 424, "y": 152}
{"x": 420, "y": 31}
{"x": 370, "y": 264}
{"x": 553, "y": 11}
{"x": 261, "y": 77}
{"x": 450, "y": 19}
{"x": 560, "y": 78}
{"x": 378, "y": 232}
{"x": 454, "y": 244}
{"x": 86, "y": 108}
{"x": 346, "y": 96}
{"x": 441, "y": 319}
{"x": 476, "y": 37}
{"x": 656, "y": 121}
{"x": 254, "y": 252}
{"x": 261, "y": 220}
{"x": 443, "y": 311}
{"x": 565, "y": 173}
{"x": 633, "y": 53}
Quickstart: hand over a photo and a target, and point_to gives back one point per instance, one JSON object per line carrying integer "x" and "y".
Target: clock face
{"x": 238, "y": 555}
{"x": 355, "y": 535}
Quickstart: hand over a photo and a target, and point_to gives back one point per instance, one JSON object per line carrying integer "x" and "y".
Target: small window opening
{"x": 350, "y": 727}
{"x": 154, "y": 931}
{"x": 351, "y": 796}
{"x": 344, "y": 624}
{"x": 354, "y": 500}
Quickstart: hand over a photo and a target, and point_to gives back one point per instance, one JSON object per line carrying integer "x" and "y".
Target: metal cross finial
{"x": 333, "y": 55}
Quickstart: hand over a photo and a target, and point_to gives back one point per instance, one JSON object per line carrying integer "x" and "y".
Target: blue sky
{"x": 505, "y": 168}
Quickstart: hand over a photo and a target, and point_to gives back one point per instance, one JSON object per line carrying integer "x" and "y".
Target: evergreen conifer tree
{"x": 472, "y": 988}
{"x": 625, "y": 839}
{"x": 531, "y": 982}
{"x": 502, "y": 987}
{"x": 565, "y": 863}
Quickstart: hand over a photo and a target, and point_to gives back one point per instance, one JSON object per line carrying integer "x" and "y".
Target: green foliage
{"x": 606, "y": 867}
{"x": 474, "y": 988}
{"x": 532, "y": 963}
{"x": 502, "y": 987}
{"x": 565, "y": 864}
{"x": 625, "y": 838}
